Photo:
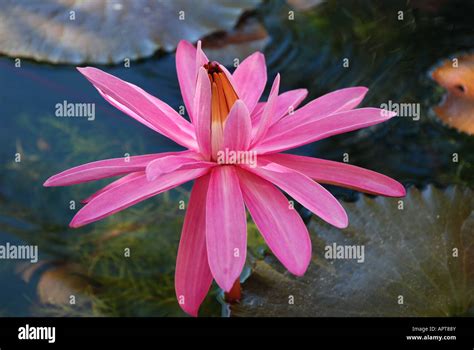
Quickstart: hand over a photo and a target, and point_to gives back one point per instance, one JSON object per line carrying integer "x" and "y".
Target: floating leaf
{"x": 457, "y": 108}
{"x": 457, "y": 113}
{"x": 109, "y": 31}
{"x": 249, "y": 36}
{"x": 59, "y": 283}
{"x": 418, "y": 261}
{"x": 304, "y": 5}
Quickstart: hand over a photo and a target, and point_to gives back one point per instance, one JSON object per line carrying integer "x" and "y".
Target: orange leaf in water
{"x": 457, "y": 77}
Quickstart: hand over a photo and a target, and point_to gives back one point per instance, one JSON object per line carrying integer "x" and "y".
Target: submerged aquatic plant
{"x": 233, "y": 143}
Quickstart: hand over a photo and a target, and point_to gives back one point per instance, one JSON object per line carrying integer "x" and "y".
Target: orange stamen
{"x": 223, "y": 97}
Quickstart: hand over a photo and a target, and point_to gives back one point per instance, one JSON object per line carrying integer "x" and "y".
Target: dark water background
{"x": 391, "y": 57}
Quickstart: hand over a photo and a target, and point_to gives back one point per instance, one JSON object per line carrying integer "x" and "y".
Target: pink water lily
{"x": 225, "y": 114}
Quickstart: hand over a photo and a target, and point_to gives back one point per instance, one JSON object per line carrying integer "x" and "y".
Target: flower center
{"x": 223, "y": 97}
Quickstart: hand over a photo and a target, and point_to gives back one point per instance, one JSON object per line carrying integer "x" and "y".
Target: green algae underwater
{"x": 124, "y": 265}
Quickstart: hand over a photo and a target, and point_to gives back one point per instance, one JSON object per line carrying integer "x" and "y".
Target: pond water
{"x": 392, "y": 57}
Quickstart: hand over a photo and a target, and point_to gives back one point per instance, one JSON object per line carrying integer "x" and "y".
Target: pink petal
{"x": 126, "y": 110}
{"x": 186, "y": 71}
{"x": 130, "y": 193}
{"x": 307, "y": 192}
{"x": 201, "y": 58}
{"x": 340, "y": 174}
{"x": 202, "y": 111}
{"x": 238, "y": 127}
{"x": 285, "y": 103}
{"x": 282, "y": 228}
{"x": 104, "y": 168}
{"x": 169, "y": 164}
{"x": 128, "y": 97}
{"x": 226, "y": 227}
{"x": 188, "y": 128}
{"x": 257, "y": 112}
{"x": 193, "y": 276}
{"x": 121, "y": 181}
{"x": 280, "y": 140}
{"x": 250, "y": 78}
{"x": 331, "y": 103}
{"x": 268, "y": 112}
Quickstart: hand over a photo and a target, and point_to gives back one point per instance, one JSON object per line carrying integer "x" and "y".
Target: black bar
{"x": 86, "y": 331}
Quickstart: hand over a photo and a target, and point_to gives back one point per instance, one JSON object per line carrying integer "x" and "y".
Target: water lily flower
{"x": 226, "y": 115}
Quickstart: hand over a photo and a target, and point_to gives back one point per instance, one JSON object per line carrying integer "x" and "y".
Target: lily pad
{"x": 457, "y": 107}
{"x": 304, "y": 5}
{"x": 418, "y": 261}
{"x": 109, "y": 31}
{"x": 246, "y": 38}
{"x": 58, "y": 282}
